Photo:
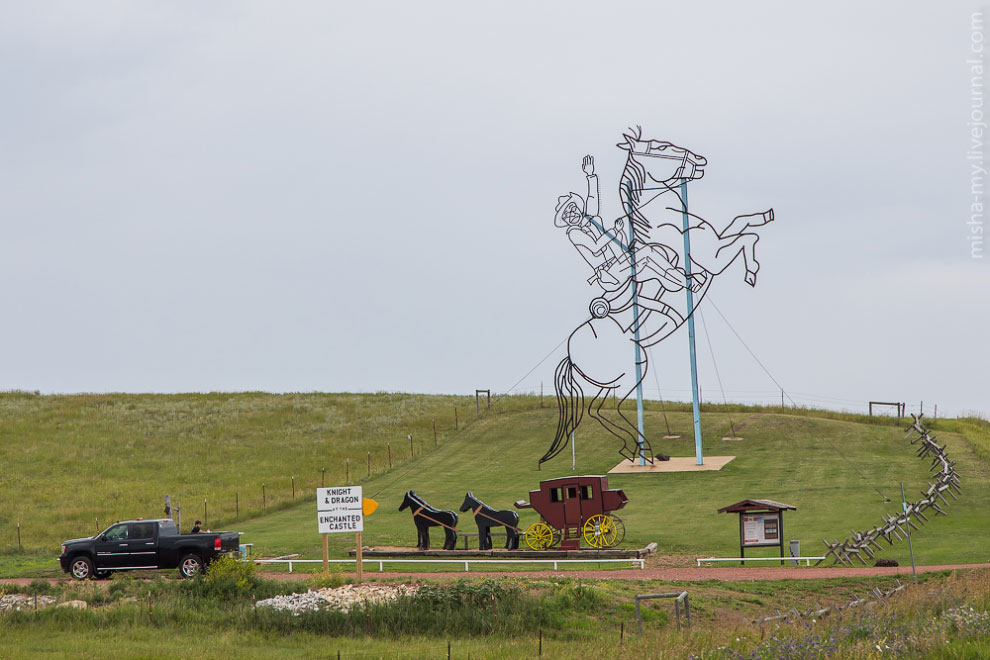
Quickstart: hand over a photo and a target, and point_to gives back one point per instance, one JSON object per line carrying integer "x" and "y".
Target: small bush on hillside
{"x": 332, "y": 580}
{"x": 40, "y": 588}
{"x": 226, "y": 577}
{"x": 578, "y": 597}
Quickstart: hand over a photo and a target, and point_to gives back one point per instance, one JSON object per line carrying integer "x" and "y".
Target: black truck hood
{"x": 87, "y": 538}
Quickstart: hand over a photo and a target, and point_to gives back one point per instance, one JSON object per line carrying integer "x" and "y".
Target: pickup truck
{"x": 144, "y": 544}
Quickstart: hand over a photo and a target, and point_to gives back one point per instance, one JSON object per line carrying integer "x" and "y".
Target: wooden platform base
{"x": 610, "y": 553}
{"x": 675, "y": 464}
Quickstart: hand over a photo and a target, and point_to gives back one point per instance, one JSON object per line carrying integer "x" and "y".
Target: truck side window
{"x": 117, "y": 533}
{"x": 141, "y": 531}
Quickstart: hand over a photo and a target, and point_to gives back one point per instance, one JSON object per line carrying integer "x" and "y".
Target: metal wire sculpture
{"x": 637, "y": 261}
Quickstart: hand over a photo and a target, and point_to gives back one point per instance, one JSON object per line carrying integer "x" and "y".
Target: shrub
{"x": 227, "y": 577}
{"x": 330, "y": 580}
{"x": 40, "y": 588}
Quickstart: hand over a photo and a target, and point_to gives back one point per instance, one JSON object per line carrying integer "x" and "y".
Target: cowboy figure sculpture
{"x": 637, "y": 262}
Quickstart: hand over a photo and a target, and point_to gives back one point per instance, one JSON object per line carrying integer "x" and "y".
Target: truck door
{"x": 142, "y": 545}
{"x": 111, "y": 548}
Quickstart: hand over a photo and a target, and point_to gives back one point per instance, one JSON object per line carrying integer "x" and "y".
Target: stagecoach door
{"x": 572, "y": 505}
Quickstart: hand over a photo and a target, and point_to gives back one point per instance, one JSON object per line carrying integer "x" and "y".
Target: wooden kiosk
{"x": 761, "y": 523}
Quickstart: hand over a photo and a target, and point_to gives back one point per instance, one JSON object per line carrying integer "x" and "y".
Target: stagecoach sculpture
{"x": 575, "y": 508}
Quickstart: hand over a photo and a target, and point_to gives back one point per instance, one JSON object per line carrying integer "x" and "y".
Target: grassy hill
{"x": 69, "y": 460}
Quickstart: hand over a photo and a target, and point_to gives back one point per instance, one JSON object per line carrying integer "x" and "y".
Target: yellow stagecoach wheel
{"x": 600, "y": 531}
{"x": 620, "y": 528}
{"x": 539, "y": 536}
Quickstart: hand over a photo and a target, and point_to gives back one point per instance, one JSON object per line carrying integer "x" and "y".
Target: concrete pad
{"x": 675, "y": 464}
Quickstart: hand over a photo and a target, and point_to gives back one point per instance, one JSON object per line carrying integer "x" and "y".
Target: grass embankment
{"x": 75, "y": 463}
{"x": 71, "y": 459}
{"x": 944, "y": 615}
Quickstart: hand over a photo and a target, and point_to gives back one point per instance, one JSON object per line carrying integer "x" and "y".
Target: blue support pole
{"x": 638, "y": 355}
{"x": 690, "y": 311}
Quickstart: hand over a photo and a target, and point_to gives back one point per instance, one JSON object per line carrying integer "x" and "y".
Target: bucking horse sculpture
{"x": 638, "y": 262}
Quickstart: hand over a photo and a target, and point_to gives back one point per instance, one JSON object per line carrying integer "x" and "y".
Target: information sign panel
{"x": 339, "y": 509}
{"x": 761, "y": 529}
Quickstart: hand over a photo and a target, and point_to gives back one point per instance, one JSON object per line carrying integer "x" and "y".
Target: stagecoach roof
{"x": 571, "y": 479}
{"x": 756, "y": 505}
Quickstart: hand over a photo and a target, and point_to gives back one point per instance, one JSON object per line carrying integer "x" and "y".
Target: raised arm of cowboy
{"x": 591, "y": 207}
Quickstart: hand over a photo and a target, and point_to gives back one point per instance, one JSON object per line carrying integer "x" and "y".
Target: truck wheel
{"x": 81, "y": 567}
{"x": 190, "y": 566}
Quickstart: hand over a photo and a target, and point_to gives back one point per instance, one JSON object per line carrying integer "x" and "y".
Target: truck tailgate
{"x": 229, "y": 541}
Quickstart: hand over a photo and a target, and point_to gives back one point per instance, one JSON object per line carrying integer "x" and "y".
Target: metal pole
{"x": 695, "y": 403}
{"x": 573, "y": 459}
{"x": 914, "y": 572}
{"x": 637, "y": 355}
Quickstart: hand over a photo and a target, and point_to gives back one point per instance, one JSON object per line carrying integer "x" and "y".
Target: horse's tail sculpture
{"x": 570, "y": 407}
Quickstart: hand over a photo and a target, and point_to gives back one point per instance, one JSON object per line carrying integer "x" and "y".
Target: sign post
{"x": 340, "y": 509}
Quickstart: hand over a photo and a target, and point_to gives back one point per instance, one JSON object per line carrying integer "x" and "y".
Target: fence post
{"x": 410, "y": 446}
{"x": 369, "y": 463}
{"x": 264, "y": 503}
{"x": 323, "y": 479}
{"x": 389, "y": 445}
{"x": 347, "y": 471}
{"x": 293, "y": 480}
{"x": 206, "y": 518}
{"x": 18, "y": 535}
{"x": 237, "y": 506}
{"x": 434, "y": 432}
{"x": 455, "y": 418}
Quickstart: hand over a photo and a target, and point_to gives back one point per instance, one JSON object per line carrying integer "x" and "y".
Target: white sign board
{"x": 761, "y": 529}
{"x": 339, "y": 509}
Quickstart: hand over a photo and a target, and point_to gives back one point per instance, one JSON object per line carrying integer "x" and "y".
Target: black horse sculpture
{"x": 425, "y": 516}
{"x": 487, "y": 517}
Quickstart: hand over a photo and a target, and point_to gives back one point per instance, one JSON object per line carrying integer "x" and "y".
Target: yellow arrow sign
{"x": 368, "y": 506}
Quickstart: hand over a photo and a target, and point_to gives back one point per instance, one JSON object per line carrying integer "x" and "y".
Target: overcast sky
{"x": 306, "y": 196}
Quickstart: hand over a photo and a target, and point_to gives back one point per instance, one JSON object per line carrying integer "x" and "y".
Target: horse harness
{"x": 419, "y": 512}
{"x": 477, "y": 512}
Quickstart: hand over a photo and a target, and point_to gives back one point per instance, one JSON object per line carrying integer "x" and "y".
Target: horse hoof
{"x": 768, "y": 217}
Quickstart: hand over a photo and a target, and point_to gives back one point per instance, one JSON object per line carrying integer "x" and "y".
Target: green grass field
{"x": 70, "y": 460}
{"x": 553, "y": 618}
